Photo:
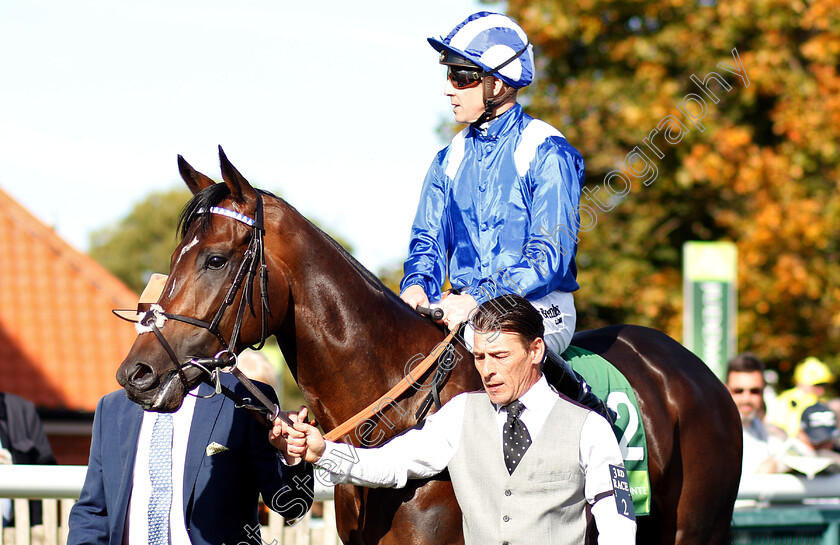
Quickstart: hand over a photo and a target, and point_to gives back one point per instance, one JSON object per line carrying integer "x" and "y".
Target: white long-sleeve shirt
{"x": 426, "y": 451}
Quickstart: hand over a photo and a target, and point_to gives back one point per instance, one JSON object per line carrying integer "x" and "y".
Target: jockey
{"x": 811, "y": 378}
{"x": 499, "y": 209}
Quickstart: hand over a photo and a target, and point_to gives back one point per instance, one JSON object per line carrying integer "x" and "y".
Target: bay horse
{"x": 347, "y": 339}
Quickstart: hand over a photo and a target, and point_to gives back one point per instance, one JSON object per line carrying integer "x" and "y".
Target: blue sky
{"x": 332, "y": 104}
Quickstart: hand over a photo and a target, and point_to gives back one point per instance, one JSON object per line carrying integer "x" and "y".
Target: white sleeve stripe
{"x": 532, "y": 136}
{"x": 456, "y": 154}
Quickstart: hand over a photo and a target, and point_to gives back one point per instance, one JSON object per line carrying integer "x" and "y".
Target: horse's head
{"x": 214, "y": 302}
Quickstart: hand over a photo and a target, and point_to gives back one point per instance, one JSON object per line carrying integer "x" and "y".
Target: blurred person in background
{"x": 22, "y": 441}
{"x": 819, "y": 430}
{"x": 834, "y": 405}
{"x": 256, "y": 366}
{"x": 811, "y": 450}
{"x": 762, "y": 443}
{"x": 812, "y": 377}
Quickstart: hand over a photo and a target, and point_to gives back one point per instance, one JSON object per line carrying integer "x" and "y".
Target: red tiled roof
{"x": 60, "y": 346}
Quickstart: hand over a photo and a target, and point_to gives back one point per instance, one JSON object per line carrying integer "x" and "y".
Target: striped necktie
{"x": 160, "y": 473}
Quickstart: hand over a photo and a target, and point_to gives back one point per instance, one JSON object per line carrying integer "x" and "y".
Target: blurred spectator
{"x": 811, "y": 377}
{"x": 811, "y": 451}
{"x": 22, "y": 441}
{"x": 256, "y": 366}
{"x": 771, "y": 378}
{"x": 745, "y": 381}
{"x": 834, "y": 405}
{"x": 819, "y": 427}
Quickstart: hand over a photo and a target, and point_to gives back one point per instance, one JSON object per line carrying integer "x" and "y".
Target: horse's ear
{"x": 240, "y": 189}
{"x": 195, "y": 180}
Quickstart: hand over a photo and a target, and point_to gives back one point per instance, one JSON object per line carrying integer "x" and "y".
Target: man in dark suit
{"x": 22, "y": 437}
{"x": 226, "y": 462}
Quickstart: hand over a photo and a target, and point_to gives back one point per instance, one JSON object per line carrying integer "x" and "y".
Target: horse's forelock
{"x": 204, "y": 199}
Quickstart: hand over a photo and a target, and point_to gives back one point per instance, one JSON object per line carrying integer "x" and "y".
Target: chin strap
{"x": 491, "y": 102}
{"x": 488, "y": 82}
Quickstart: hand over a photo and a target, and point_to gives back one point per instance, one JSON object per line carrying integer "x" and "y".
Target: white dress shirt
{"x": 425, "y": 452}
{"x": 137, "y": 519}
{"x": 759, "y": 446}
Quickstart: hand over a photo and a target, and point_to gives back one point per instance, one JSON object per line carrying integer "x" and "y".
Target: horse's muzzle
{"x": 157, "y": 393}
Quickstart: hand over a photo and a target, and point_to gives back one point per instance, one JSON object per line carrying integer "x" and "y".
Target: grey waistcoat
{"x": 543, "y": 502}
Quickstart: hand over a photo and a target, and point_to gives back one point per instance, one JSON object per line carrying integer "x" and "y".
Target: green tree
{"x": 391, "y": 275}
{"x": 758, "y": 167}
{"x": 143, "y": 241}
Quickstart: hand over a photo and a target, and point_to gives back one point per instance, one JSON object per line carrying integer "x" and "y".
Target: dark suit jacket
{"x": 23, "y": 435}
{"x": 21, "y": 431}
{"x": 220, "y": 491}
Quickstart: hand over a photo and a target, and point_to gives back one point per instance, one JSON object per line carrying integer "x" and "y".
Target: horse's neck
{"x": 347, "y": 338}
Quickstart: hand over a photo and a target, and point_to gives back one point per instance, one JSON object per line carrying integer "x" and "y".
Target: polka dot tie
{"x": 515, "y": 436}
{"x": 160, "y": 473}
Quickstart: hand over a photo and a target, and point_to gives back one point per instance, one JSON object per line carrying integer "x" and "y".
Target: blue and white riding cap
{"x": 490, "y": 40}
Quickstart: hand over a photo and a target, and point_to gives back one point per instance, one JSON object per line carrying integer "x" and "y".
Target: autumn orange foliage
{"x": 762, "y": 172}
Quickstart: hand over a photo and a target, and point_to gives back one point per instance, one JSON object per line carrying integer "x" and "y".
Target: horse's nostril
{"x": 142, "y": 376}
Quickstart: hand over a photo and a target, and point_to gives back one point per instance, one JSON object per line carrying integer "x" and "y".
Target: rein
{"x": 392, "y": 394}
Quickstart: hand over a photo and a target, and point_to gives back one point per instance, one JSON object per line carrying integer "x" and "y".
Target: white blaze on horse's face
{"x": 185, "y": 249}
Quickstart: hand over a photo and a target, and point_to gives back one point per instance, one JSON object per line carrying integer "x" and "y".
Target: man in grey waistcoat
{"x": 528, "y": 465}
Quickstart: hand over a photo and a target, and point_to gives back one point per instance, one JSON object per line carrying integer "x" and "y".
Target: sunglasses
{"x": 463, "y": 79}
{"x": 752, "y": 391}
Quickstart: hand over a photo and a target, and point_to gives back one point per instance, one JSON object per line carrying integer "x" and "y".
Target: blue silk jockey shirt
{"x": 500, "y": 206}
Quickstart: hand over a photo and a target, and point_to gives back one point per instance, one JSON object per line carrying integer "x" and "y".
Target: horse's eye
{"x": 216, "y": 262}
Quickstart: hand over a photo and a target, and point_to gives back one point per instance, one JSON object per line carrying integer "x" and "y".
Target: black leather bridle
{"x": 252, "y": 260}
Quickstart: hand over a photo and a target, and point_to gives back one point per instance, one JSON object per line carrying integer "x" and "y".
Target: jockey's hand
{"x": 457, "y": 309}
{"x": 286, "y": 439}
{"x": 415, "y": 296}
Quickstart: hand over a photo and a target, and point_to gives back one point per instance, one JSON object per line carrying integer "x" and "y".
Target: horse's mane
{"x": 214, "y": 194}
{"x": 371, "y": 278}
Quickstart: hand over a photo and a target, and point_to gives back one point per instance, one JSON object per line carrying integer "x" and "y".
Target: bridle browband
{"x": 252, "y": 259}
